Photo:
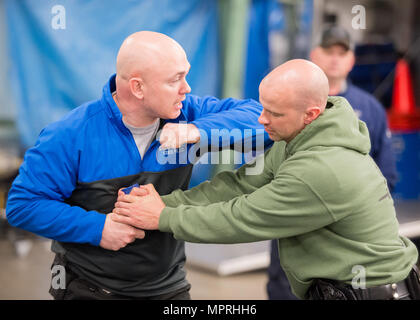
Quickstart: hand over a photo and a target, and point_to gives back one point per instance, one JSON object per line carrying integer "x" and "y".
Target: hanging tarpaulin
{"x": 62, "y": 54}
{"x": 258, "y": 55}
{"x": 278, "y": 31}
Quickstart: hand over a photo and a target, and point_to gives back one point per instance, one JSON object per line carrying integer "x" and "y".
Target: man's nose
{"x": 262, "y": 119}
{"x": 335, "y": 58}
{"x": 185, "y": 88}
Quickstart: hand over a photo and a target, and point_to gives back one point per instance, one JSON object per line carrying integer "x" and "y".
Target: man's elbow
{"x": 12, "y": 215}
{"x": 15, "y": 209}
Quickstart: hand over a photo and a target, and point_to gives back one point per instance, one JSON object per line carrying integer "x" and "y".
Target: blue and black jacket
{"x": 69, "y": 181}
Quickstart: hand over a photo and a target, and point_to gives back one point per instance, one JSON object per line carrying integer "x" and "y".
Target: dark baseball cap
{"x": 336, "y": 35}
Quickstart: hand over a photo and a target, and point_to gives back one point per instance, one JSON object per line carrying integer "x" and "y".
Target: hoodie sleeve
{"x": 227, "y": 184}
{"x": 46, "y": 178}
{"x": 283, "y": 208}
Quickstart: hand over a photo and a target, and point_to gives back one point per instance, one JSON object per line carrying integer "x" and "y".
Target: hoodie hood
{"x": 337, "y": 126}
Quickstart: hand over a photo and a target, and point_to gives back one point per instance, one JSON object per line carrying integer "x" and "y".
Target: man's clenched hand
{"x": 174, "y": 135}
{"x": 116, "y": 235}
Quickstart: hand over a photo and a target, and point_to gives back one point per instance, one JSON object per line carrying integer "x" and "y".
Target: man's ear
{"x": 351, "y": 60}
{"x": 136, "y": 87}
{"x": 311, "y": 114}
{"x": 313, "y": 55}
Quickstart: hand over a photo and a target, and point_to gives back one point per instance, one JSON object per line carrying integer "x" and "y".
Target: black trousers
{"x": 77, "y": 288}
{"x": 278, "y": 287}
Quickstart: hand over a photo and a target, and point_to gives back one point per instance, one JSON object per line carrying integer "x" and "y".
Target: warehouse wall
{"x": 7, "y": 110}
{"x": 8, "y": 134}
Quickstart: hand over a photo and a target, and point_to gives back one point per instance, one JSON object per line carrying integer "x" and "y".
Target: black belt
{"x": 393, "y": 291}
{"x": 326, "y": 289}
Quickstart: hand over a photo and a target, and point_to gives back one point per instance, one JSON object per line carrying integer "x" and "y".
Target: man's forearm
{"x": 56, "y": 220}
{"x": 223, "y": 187}
{"x": 271, "y": 212}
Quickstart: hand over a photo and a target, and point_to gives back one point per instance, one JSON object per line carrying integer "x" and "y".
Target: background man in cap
{"x": 335, "y": 56}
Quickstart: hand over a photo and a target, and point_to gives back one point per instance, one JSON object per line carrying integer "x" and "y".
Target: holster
{"x": 413, "y": 283}
{"x": 325, "y": 289}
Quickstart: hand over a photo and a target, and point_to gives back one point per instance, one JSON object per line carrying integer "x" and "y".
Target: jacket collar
{"x": 112, "y": 110}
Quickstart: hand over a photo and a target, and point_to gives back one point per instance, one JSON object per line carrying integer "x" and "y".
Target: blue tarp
{"x": 267, "y": 17}
{"x": 56, "y": 69}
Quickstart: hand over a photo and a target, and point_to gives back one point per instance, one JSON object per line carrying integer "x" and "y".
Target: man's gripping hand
{"x": 174, "y": 135}
{"x": 141, "y": 208}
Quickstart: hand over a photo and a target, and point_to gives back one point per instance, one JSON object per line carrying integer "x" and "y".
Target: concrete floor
{"x": 28, "y": 277}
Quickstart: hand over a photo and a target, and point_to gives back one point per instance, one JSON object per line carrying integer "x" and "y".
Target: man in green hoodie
{"x": 320, "y": 194}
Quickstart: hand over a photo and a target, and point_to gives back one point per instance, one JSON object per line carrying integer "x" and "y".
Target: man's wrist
{"x": 193, "y": 133}
{"x": 99, "y": 231}
{"x": 164, "y": 220}
{"x": 171, "y": 200}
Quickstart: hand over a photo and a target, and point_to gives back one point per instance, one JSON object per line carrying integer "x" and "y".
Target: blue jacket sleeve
{"x": 46, "y": 178}
{"x": 213, "y": 116}
{"x": 382, "y": 151}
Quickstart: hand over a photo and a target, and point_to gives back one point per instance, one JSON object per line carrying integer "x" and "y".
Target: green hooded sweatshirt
{"x": 321, "y": 195}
